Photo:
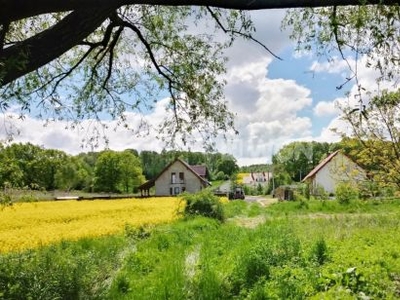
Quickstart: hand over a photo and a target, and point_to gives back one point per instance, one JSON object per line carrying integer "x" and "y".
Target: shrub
{"x": 203, "y": 203}
{"x": 345, "y": 192}
{"x": 220, "y": 176}
{"x": 320, "y": 193}
{"x": 305, "y": 190}
{"x": 319, "y": 251}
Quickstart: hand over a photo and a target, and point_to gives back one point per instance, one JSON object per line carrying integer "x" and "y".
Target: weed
{"x": 319, "y": 251}
{"x": 137, "y": 233}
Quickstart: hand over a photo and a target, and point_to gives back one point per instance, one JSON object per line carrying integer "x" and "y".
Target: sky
{"x": 275, "y": 102}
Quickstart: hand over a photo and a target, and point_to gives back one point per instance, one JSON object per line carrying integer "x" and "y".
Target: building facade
{"x": 334, "y": 169}
{"x": 176, "y": 178}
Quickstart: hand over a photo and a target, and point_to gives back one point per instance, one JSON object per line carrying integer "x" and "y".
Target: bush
{"x": 305, "y": 190}
{"x": 320, "y": 193}
{"x": 345, "y": 192}
{"x": 220, "y": 176}
{"x": 319, "y": 252}
{"x": 203, "y": 203}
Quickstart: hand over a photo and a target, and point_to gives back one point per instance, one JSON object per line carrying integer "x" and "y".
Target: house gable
{"x": 334, "y": 169}
{"x": 177, "y": 177}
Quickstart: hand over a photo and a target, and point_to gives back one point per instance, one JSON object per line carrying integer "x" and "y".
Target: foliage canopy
{"x": 88, "y": 59}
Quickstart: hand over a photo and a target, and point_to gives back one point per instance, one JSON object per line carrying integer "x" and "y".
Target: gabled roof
{"x": 201, "y": 170}
{"x": 321, "y": 165}
{"x": 192, "y": 169}
{"x": 147, "y": 185}
{"x": 150, "y": 183}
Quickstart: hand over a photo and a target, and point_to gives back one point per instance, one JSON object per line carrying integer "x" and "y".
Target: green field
{"x": 288, "y": 250}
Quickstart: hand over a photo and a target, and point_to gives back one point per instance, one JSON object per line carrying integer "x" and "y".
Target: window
{"x": 176, "y": 190}
{"x": 181, "y": 177}
{"x": 173, "y": 177}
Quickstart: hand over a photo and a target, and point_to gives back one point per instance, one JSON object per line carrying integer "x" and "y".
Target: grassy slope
{"x": 290, "y": 250}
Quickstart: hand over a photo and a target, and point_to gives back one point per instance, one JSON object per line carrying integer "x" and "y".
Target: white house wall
{"x": 339, "y": 169}
{"x": 324, "y": 179}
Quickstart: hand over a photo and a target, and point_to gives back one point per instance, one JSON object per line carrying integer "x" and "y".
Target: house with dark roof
{"x": 335, "y": 168}
{"x": 176, "y": 178}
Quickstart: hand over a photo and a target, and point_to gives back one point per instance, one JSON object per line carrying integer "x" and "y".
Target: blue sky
{"x": 321, "y": 85}
{"x": 276, "y": 102}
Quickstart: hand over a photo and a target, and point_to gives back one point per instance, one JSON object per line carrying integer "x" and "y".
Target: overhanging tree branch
{"x": 12, "y": 10}
{"x": 42, "y": 48}
{"x": 236, "y": 32}
{"x": 171, "y": 82}
{"x": 35, "y": 52}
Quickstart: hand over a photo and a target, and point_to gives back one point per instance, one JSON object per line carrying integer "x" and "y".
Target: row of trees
{"x": 33, "y": 167}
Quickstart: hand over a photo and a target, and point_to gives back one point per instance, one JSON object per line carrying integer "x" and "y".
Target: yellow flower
{"x": 31, "y": 225}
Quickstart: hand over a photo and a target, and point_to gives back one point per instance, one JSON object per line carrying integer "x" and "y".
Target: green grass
{"x": 302, "y": 250}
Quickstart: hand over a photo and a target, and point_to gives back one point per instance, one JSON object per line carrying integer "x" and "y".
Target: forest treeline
{"x": 28, "y": 166}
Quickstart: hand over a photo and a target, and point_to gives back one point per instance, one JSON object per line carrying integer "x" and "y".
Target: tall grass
{"x": 68, "y": 270}
{"x": 313, "y": 251}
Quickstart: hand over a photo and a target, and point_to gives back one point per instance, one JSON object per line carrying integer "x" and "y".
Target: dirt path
{"x": 252, "y": 222}
{"x": 262, "y": 200}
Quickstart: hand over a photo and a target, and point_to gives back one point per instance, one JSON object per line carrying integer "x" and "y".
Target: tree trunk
{"x": 18, "y": 9}
{"x": 35, "y": 52}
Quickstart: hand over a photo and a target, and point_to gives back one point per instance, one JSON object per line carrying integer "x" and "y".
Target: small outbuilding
{"x": 285, "y": 192}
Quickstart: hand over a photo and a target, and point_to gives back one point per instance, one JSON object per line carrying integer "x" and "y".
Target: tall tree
{"x": 10, "y": 172}
{"x": 77, "y": 58}
{"x": 297, "y": 159}
{"x": 118, "y": 172}
{"x": 73, "y": 175}
{"x": 227, "y": 165}
{"x": 375, "y": 142}
{"x": 107, "y": 172}
{"x": 131, "y": 172}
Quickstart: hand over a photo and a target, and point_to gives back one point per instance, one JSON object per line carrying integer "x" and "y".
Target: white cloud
{"x": 88, "y": 135}
{"x": 335, "y": 66}
{"x": 267, "y": 111}
{"x": 325, "y": 108}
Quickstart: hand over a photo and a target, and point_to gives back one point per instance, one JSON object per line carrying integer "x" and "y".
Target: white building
{"x": 176, "y": 178}
{"x": 334, "y": 169}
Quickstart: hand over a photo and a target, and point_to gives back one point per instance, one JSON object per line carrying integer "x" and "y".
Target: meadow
{"x": 289, "y": 250}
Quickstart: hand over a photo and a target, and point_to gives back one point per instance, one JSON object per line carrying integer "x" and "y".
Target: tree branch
{"x": 12, "y": 10}
{"x": 3, "y": 31}
{"x": 42, "y": 48}
{"x": 111, "y": 54}
{"x": 235, "y": 32}
{"x": 148, "y": 49}
{"x": 157, "y": 66}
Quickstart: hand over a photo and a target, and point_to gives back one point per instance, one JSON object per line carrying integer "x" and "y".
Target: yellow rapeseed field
{"x": 31, "y": 225}
{"x": 240, "y": 176}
